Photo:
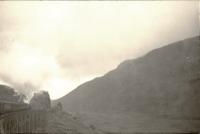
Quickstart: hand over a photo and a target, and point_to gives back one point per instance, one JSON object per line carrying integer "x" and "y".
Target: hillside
{"x": 8, "y": 94}
{"x": 62, "y": 122}
{"x": 164, "y": 83}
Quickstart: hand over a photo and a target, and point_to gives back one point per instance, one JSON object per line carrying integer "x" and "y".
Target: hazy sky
{"x": 55, "y": 46}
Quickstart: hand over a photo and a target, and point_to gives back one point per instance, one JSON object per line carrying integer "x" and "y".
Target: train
{"x": 20, "y": 118}
{"x": 8, "y": 107}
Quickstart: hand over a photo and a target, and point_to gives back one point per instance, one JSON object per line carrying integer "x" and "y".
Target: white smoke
{"x": 56, "y": 46}
{"x": 25, "y": 65}
{"x": 199, "y": 15}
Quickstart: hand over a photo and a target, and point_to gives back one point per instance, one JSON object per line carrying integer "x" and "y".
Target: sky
{"x": 57, "y": 45}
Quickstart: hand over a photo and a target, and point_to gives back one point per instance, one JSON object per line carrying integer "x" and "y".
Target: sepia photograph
{"x": 100, "y": 67}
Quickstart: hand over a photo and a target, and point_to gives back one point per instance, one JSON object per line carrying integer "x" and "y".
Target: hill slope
{"x": 61, "y": 122}
{"x": 163, "y": 83}
{"x": 9, "y": 94}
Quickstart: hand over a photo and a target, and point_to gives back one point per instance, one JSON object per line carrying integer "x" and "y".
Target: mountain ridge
{"x": 164, "y": 83}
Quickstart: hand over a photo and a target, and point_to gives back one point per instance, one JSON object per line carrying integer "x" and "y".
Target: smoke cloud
{"x": 56, "y": 46}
